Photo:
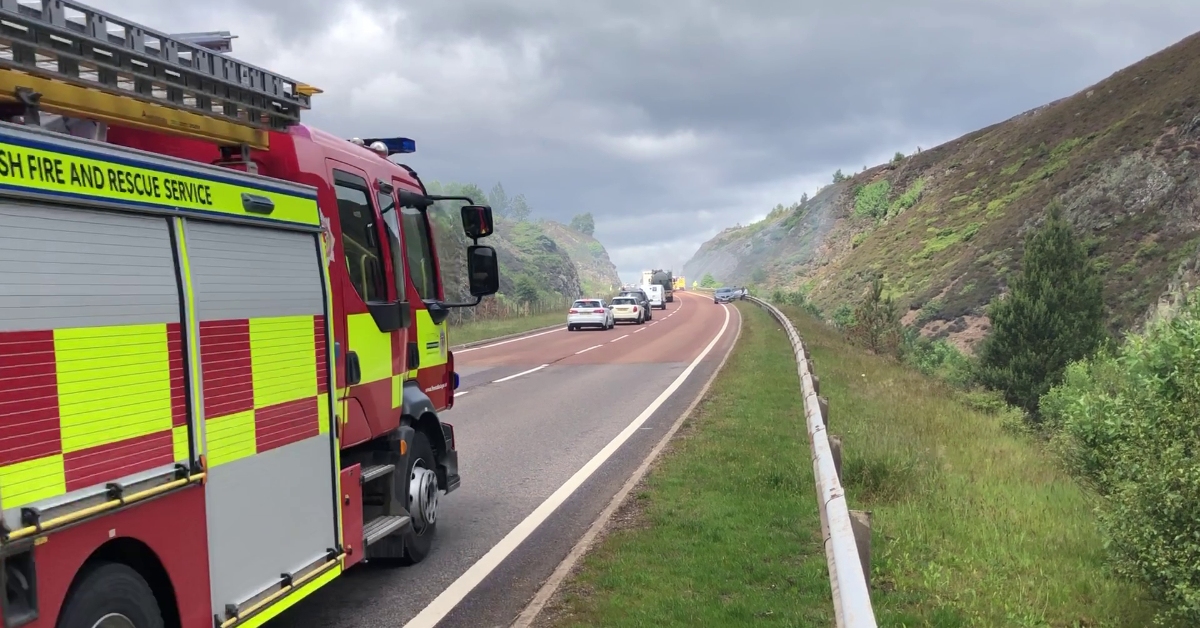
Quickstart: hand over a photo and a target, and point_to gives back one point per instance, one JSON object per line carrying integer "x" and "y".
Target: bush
{"x": 938, "y": 358}
{"x": 1127, "y": 422}
{"x": 872, "y": 200}
{"x": 876, "y": 324}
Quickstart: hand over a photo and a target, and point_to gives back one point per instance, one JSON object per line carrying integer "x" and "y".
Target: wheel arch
{"x": 141, "y": 558}
{"x": 417, "y": 411}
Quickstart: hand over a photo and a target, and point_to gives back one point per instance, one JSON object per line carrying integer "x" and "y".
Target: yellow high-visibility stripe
{"x": 230, "y": 438}
{"x": 27, "y": 482}
{"x": 179, "y": 441}
{"x": 282, "y": 359}
{"x": 286, "y": 602}
{"x": 114, "y": 383}
{"x": 192, "y": 334}
{"x": 323, "y": 412}
{"x": 373, "y": 347}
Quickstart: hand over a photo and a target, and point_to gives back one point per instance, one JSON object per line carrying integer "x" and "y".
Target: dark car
{"x": 724, "y": 295}
{"x": 643, "y": 300}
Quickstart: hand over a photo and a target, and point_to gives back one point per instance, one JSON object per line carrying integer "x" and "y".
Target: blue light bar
{"x": 395, "y": 145}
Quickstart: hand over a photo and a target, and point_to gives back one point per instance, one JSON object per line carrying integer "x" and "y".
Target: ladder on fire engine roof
{"x": 73, "y": 60}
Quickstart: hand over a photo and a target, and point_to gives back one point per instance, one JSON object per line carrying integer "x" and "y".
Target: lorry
{"x": 663, "y": 278}
{"x": 680, "y": 283}
{"x": 223, "y": 343}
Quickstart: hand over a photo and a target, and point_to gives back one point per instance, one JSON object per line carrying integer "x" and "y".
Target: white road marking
{"x": 616, "y": 339}
{"x": 504, "y": 342}
{"x": 449, "y": 598}
{"x": 532, "y": 370}
{"x": 640, "y": 330}
{"x": 588, "y": 349}
{"x": 458, "y": 394}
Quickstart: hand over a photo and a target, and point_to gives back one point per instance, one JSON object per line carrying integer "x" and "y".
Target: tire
{"x": 570, "y": 328}
{"x": 419, "y": 539}
{"x": 111, "y": 591}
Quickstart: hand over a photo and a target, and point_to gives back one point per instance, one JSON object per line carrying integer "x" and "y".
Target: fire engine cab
{"x": 223, "y": 346}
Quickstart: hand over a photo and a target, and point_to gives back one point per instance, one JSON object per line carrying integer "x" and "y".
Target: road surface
{"x": 529, "y": 414}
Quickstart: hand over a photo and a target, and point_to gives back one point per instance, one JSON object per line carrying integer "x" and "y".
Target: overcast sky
{"x": 670, "y": 120}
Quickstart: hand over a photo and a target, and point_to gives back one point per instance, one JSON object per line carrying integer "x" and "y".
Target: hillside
{"x": 597, "y": 273}
{"x": 540, "y": 260}
{"x": 944, "y": 227}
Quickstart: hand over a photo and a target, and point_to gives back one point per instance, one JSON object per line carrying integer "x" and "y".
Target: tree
{"x": 898, "y": 157}
{"x": 525, "y": 290}
{"x": 518, "y": 209}
{"x": 876, "y": 323}
{"x": 1053, "y": 315}
{"x": 498, "y": 199}
{"x": 708, "y": 281}
{"x": 584, "y": 223}
{"x": 804, "y": 198}
{"x": 838, "y": 177}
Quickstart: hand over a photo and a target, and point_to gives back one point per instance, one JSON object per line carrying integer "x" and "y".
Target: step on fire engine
{"x": 223, "y": 346}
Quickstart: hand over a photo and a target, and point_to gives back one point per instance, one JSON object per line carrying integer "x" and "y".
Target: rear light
{"x": 635, "y": 308}
{"x": 573, "y": 311}
{"x": 597, "y": 311}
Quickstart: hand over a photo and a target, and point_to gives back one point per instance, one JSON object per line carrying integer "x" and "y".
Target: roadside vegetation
{"x": 975, "y": 524}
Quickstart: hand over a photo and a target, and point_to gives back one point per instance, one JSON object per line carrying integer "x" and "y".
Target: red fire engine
{"x": 223, "y": 346}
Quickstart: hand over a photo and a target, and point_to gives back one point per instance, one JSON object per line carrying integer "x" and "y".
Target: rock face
{"x": 597, "y": 274}
{"x": 944, "y": 227}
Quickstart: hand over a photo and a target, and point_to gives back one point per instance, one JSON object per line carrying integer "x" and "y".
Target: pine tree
{"x": 1053, "y": 315}
{"x": 876, "y": 322}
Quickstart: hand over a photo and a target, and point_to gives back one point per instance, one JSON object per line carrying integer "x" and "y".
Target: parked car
{"x": 724, "y": 295}
{"x": 655, "y": 294}
{"x": 590, "y": 313}
{"x": 627, "y": 310}
{"x": 642, "y": 297}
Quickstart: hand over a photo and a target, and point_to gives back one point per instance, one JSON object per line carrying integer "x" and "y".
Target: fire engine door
{"x": 260, "y": 303}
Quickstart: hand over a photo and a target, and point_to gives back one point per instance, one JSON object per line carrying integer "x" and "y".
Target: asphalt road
{"x": 528, "y": 415}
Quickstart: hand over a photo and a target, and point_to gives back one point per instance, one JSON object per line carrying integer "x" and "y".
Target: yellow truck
{"x": 680, "y": 283}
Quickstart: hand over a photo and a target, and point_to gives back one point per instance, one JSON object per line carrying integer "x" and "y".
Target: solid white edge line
{"x": 453, "y": 594}
{"x": 532, "y": 370}
{"x": 588, "y": 349}
{"x": 504, "y": 342}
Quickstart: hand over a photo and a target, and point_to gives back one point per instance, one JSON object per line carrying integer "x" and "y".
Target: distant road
{"x": 529, "y": 414}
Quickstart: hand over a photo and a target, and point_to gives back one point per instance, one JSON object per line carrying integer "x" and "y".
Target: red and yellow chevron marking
{"x": 83, "y": 406}
{"x": 265, "y": 384}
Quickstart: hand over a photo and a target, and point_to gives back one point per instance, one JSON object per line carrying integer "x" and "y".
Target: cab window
{"x": 421, "y": 268}
{"x": 387, "y": 209}
{"x": 360, "y": 240}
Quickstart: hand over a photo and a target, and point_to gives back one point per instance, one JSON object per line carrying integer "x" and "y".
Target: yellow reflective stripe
{"x": 282, "y": 359}
{"x": 179, "y": 440}
{"x": 51, "y": 171}
{"x": 230, "y": 437}
{"x": 323, "y": 412}
{"x": 114, "y": 383}
{"x": 286, "y": 602}
{"x": 373, "y": 347}
{"x": 192, "y": 334}
{"x": 398, "y": 390}
{"x": 29, "y": 481}
{"x": 431, "y": 340}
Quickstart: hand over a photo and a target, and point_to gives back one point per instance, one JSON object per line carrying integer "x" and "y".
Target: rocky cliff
{"x": 944, "y": 227}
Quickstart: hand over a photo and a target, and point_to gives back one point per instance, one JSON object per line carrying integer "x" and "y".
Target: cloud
{"x": 671, "y": 120}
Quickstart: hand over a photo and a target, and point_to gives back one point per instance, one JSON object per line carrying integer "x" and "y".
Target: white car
{"x": 628, "y": 310}
{"x": 590, "y": 313}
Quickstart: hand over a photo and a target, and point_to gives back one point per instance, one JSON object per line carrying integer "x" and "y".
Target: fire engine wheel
{"x": 423, "y": 496}
{"x": 111, "y": 595}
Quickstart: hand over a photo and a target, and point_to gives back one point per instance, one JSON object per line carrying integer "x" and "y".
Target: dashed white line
{"x": 532, "y": 370}
{"x": 588, "y": 349}
{"x": 640, "y": 330}
{"x": 458, "y": 394}
{"x": 453, "y": 594}
{"x": 504, "y": 342}
{"x": 616, "y": 339}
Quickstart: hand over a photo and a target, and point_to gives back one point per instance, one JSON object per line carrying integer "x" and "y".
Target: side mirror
{"x": 483, "y": 269}
{"x": 477, "y": 221}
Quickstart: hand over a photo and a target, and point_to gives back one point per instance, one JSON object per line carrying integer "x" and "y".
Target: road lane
{"x": 519, "y": 440}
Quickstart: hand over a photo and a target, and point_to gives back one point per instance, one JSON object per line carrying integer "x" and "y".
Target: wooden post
{"x": 835, "y": 445}
{"x": 860, "y": 521}
{"x": 823, "y": 403}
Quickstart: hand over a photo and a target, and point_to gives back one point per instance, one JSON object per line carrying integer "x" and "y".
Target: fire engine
{"x": 223, "y": 351}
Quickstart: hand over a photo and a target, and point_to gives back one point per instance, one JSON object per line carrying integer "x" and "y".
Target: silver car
{"x": 590, "y": 313}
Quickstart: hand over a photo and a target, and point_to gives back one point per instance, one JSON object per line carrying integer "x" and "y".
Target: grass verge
{"x": 485, "y": 330}
{"x": 724, "y": 530}
{"x": 974, "y": 525}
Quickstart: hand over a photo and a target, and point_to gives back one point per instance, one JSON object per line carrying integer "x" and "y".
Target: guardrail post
{"x": 860, "y": 522}
{"x": 816, "y": 384}
{"x": 823, "y": 403}
{"x": 835, "y": 446}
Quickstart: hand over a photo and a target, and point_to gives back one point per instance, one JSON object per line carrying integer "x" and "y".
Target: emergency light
{"x": 395, "y": 145}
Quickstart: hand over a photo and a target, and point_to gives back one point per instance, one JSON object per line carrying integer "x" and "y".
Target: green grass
{"x": 974, "y": 524}
{"x": 725, "y": 529}
{"x": 483, "y": 330}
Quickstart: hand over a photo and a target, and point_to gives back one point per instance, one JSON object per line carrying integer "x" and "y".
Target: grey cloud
{"x": 773, "y": 90}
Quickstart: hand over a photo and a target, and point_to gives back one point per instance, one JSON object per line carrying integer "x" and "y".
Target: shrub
{"x": 876, "y": 325}
{"x": 1128, "y": 423}
{"x": 872, "y": 200}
